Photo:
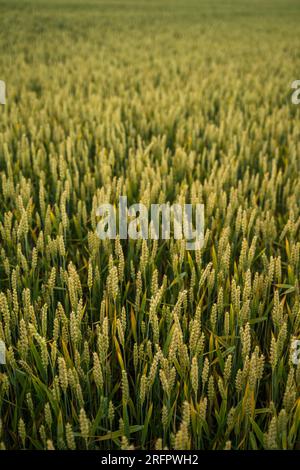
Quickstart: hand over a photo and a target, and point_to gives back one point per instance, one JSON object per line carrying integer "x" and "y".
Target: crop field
{"x": 144, "y": 344}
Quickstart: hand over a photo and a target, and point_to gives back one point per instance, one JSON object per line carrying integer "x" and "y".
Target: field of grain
{"x": 122, "y": 344}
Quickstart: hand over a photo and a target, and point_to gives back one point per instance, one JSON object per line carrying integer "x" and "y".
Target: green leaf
{"x": 258, "y": 432}
{"x": 116, "y": 434}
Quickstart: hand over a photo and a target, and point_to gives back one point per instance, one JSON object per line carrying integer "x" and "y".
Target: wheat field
{"x": 123, "y": 344}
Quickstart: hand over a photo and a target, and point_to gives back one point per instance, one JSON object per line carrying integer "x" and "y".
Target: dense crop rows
{"x": 142, "y": 343}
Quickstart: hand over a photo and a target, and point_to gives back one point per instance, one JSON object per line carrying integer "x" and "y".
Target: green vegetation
{"x": 141, "y": 343}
